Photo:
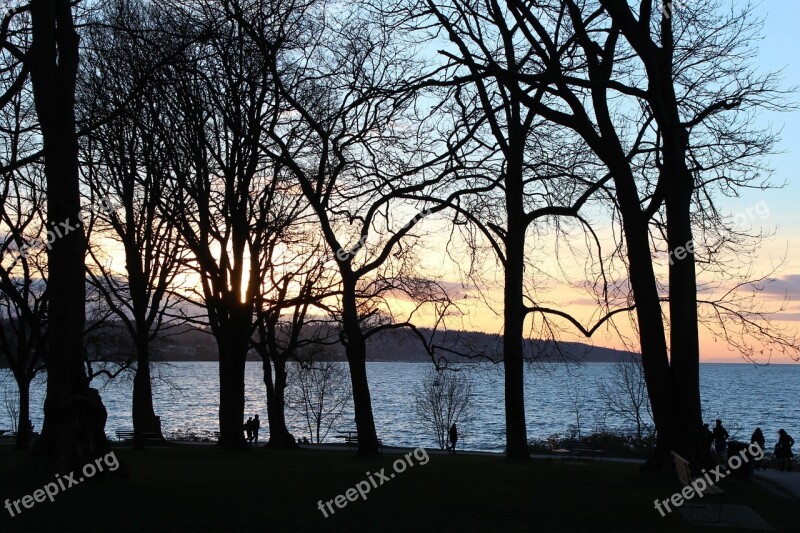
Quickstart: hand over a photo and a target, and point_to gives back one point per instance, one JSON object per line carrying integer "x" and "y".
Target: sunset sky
{"x": 775, "y": 211}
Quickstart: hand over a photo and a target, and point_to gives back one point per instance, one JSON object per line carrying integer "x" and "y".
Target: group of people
{"x": 783, "y": 449}
{"x": 251, "y": 428}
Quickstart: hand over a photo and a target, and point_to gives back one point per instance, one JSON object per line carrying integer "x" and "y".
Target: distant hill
{"x": 399, "y": 345}
{"x": 402, "y": 345}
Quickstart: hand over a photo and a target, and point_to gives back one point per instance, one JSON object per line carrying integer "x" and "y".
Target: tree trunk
{"x": 657, "y": 56}
{"x": 279, "y": 435}
{"x": 356, "y": 351}
{"x": 655, "y": 362}
{"x": 513, "y": 364}
{"x": 143, "y": 413}
{"x": 73, "y": 433}
{"x": 232, "y": 357}
{"x": 24, "y": 435}
{"x": 514, "y": 309}
{"x": 684, "y": 334}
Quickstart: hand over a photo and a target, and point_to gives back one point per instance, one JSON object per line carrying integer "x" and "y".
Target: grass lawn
{"x": 201, "y": 488}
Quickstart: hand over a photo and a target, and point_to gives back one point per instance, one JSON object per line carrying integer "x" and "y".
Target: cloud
{"x": 786, "y": 317}
{"x": 782, "y": 286}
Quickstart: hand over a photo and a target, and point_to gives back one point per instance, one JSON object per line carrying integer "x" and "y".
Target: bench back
{"x": 682, "y": 467}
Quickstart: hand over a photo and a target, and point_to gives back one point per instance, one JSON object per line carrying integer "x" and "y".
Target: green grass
{"x": 204, "y": 489}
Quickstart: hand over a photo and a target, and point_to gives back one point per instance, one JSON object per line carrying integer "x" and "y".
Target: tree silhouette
{"x": 125, "y": 171}
{"x": 73, "y": 432}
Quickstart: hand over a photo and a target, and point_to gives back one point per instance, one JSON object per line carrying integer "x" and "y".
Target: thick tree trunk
{"x": 356, "y": 351}
{"x": 514, "y": 309}
{"x": 513, "y": 363}
{"x": 362, "y": 404}
{"x": 73, "y": 433}
{"x": 657, "y": 56}
{"x": 653, "y": 343}
{"x": 143, "y": 413}
{"x": 232, "y": 357}
{"x": 279, "y": 435}
{"x": 24, "y": 435}
{"x": 684, "y": 334}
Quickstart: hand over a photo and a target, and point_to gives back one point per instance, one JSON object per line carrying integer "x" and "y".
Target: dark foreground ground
{"x": 200, "y": 488}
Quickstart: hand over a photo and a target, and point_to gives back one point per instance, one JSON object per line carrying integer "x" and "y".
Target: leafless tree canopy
{"x": 319, "y": 390}
{"x": 291, "y": 174}
{"x": 444, "y": 398}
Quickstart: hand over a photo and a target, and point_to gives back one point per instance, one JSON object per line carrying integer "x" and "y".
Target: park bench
{"x": 582, "y": 449}
{"x": 127, "y": 435}
{"x": 687, "y": 480}
{"x": 555, "y": 450}
{"x": 351, "y": 439}
{"x": 215, "y": 434}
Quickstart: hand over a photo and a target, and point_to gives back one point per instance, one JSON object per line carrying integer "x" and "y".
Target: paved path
{"x": 432, "y": 451}
{"x": 788, "y": 482}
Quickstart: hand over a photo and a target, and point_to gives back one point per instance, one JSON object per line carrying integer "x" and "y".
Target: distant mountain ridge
{"x": 400, "y": 345}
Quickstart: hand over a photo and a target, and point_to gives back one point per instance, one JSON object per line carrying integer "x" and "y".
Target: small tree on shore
{"x": 442, "y": 399}
{"x": 11, "y": 406}
{"x": 319, "y": 389}
{"x": 623, "y": 390}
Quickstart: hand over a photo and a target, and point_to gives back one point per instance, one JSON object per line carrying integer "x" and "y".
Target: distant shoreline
{"x": 257, "y": 360}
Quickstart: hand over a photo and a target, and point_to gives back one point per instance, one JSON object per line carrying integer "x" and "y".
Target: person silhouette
{"x": 758, "y": 438}
{"x": 248, "y": 429}
{"x": 453, "y": 438}
{"x": 720, "y": 438}
{"x": 783, "y": 450}
{"x": 255, "y": 427}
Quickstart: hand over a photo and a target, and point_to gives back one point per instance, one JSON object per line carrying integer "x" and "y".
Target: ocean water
{"x": 557, "y": 398}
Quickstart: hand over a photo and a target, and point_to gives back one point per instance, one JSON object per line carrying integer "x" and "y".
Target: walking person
{"x": 248, "y": 429}
{"x": 783, "y": 451}
{"x": 758, "y": 438}
{"x": 255, "y": 427}
{"x": 453, "y": 438}
{"x": 720, "y": 439}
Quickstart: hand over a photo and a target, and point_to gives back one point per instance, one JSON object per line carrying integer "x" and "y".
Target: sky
{"x": 775, "y": 211}
{"x": 777, "y": 51}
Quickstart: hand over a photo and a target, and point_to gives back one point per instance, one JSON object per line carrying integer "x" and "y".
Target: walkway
{"x": 786, "y": 483}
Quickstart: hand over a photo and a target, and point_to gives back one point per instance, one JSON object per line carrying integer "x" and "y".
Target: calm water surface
{"x": 742, "y": 395}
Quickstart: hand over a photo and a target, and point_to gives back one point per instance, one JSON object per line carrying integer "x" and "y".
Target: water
{"x": 186, "y": 398}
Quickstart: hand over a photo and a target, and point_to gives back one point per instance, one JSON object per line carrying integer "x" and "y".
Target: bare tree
{"x": 227, "y": 200}
{"x": 296, "y": 281}
{"x": 624, "y": 391}
{"x": 11, "y": 404}
{"x": 73, "y": 431}
{"x": 319, "y": 390}
{"x": 125, "y": 173}
{"x": 526, "y": 172}
{"x": 363, "y": 157}
{"x": 444, "y": 398}
{"x": 590, "y": 63}
{"x": 23, "y": 268}
{"x": 110, "y": 350}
